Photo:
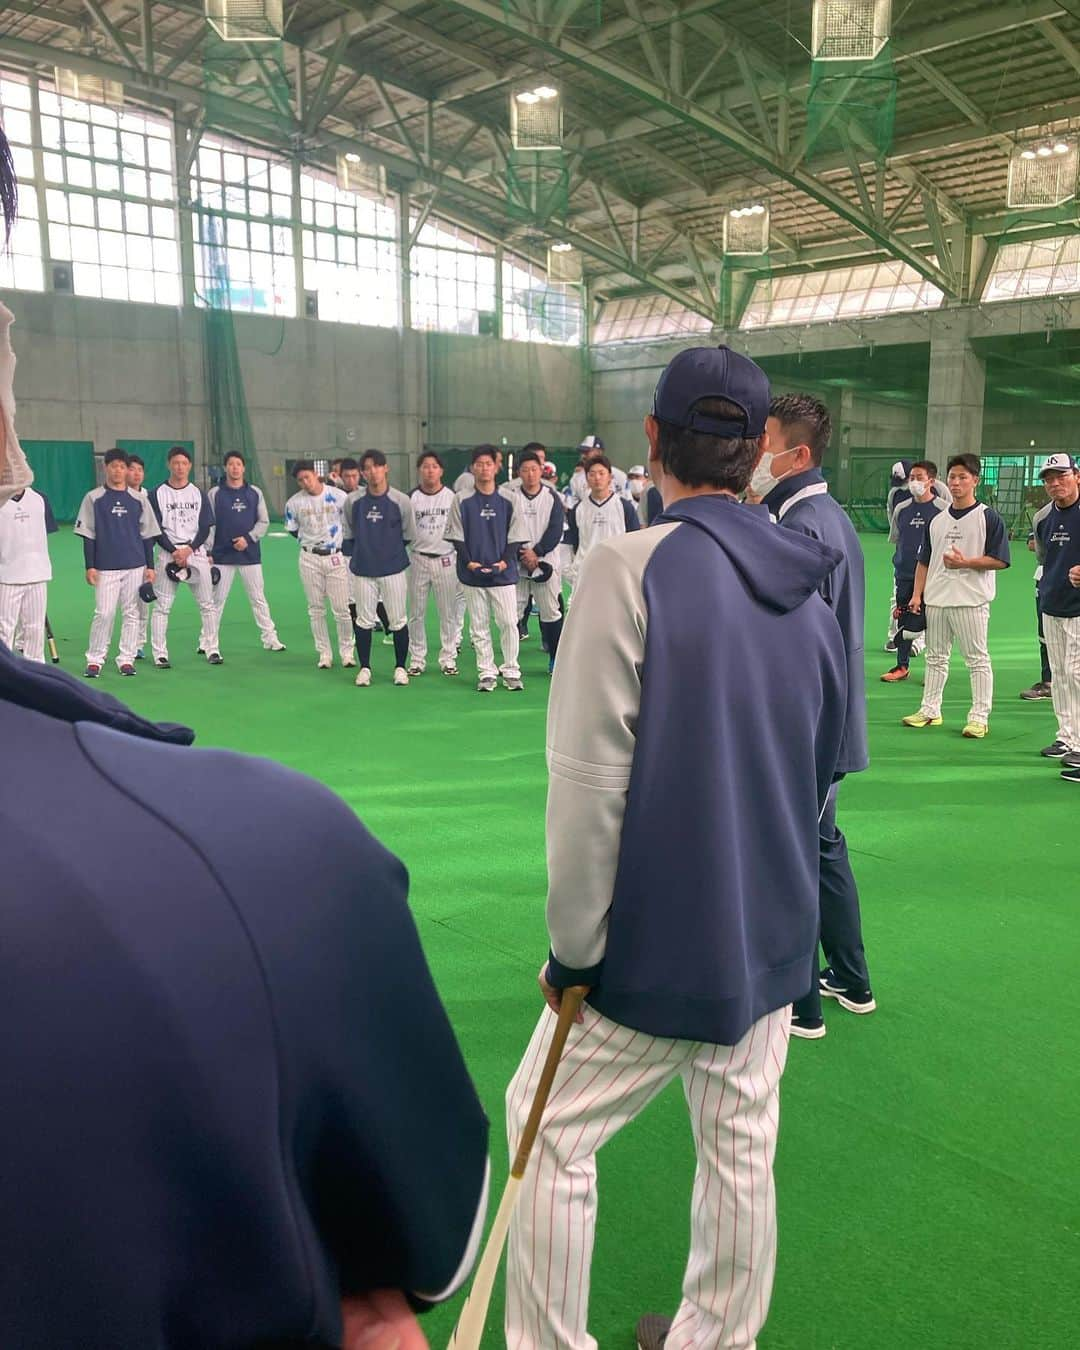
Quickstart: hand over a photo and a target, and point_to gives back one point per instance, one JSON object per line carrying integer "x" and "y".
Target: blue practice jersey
{"x": 1059, "y": 535}
{"x": 486, "y": 529}
{"x": 379, "y": 525}
{"x": 907, "y": 529}
{"x": 117, "y": 529}
{"x": 238, "y": 512}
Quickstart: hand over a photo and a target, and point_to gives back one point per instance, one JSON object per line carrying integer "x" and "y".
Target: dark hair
{"x": 927, "y": 465}
{"x": 528, "y": 457}
{"x": 809, "y": 416}
{"x": 9, "y": 186}
{"x": 533, "y": 446}
{"x": 598, "y": 458}
{"x": 972, "y": 463}
{"x": 137, "y": 459}
{"x": 302, "y": 466}
{"x": 372, "y": 457}
{"x": 111, "y": 456}
{"x": 348, "y": 464}
{"x": 338, "y": 462}
{"x": 178, "y": 450}
{"x": 429, "y": 454}
{"x": 235, "y": 454}
{"x": 700, "y": 460}
{"x": 489, "y": 450}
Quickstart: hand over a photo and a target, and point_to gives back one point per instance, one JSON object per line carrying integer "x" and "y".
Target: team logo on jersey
{"x": 237, "y": 505}
{"x": 488, "y": 513}
{"x": 1060, "y": 537}
{"x": 373, "y": 514}
{"x": 118, "y": 509}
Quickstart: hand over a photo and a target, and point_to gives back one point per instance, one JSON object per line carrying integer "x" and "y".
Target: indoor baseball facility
{"x": 641, "y": 429}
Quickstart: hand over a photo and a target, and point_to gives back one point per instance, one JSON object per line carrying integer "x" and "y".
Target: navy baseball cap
{"x": 713, "y": 372}
{"x": 1060, "y": 463}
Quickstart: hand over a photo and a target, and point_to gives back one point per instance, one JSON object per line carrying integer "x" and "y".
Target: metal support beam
{"x": 317, "y": 105}
{"x": 146, "y": 21}
{"x": 109, "y": 29}
{"x": 1060, "y": 43}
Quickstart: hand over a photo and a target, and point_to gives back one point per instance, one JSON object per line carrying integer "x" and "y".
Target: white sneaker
{"x": 325, "y": 662}
{"x": 347, "y": 661}
{"x": 415, "y": 670}
{"x": 276, "y": 646}
{"x": 513, "y": 682}
{"x": 486, "y": 685}
{"x": 401, "y": 675}
{"x": 363, "y": 679}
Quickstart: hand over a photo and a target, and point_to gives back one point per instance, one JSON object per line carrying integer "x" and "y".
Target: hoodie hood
{"x": 44, "y": 689}
{"x": 780, "y": 568}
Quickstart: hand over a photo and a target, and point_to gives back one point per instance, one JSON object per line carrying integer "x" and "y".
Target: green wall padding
{"x": 63, "y": 471}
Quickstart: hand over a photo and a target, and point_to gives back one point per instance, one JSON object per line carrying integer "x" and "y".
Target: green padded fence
{"x": 63, "y": 471}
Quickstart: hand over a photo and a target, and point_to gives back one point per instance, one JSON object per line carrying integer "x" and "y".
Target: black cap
{"x": 713, "y": 372}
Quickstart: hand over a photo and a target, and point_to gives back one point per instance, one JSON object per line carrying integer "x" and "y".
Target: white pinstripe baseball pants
{"x": 326, "y": 577}
{"x": 547, "y": 596}
{"x": 392, "y": 590}
{"x": 499, "y": 603}
{"x": 251, "y": 574}
{"x": 607, "y": 1076}
{"x": 115, "y": 589}
{"x": 1063, "y": 648}
{"x": 966, "y": 625}
{"x": 427, "y": 574}
{"x": 166, "y": 590}
{"x": 22, "y": 606}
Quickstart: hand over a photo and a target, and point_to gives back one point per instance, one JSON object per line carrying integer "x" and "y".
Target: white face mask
{"x": 637, "y": 487}
{"x": 763, "y": 480}
{"x": 918, "y": 487}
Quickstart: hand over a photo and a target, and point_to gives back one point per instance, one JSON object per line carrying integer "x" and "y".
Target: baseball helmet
{"x": 177, "y": 573}
{"x": 146, "y": 593}
{"x": 215, "y": 575}
{"x": 541, "y": 572}
{"x": 911, "y": 625}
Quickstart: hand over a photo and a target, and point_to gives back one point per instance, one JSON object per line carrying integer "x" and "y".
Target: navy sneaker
{"x": 807, "y": 1028}
{"x": 1071, "y": 775}
{"x": 93, "y": 671}
{"x": 1071, "y": 760}
{"x": 856, "y": 1001}
{"x": 1056, "y": 750}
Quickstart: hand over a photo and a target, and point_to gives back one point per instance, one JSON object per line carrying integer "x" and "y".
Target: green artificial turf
{"x": 927, "y": 1172}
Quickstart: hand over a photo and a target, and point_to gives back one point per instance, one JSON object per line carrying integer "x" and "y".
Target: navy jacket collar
{"x": 788, "y": 488}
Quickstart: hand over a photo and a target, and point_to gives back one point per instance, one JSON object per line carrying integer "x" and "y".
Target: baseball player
{"x": 351, "y": 480}
{"x": 692, "y": 940}
{"x": 540, "y": 579}
{"x": 314, "y": 516}
{"x": 136, "y": 477}
{"x": 954, "y": 578}
{"x": 26, "y": 521}
{"x": 901, "y": 491}
{"x": 601, "y": 514}
{"x": 186, "y": 521}
{"x": 592, "y": 448}
{"x": 1043, "y": 687}
{"x": 1059, "y": 592}
{"x": 530, "y": 448}
{"x": 118, "y": 529}
{"x": 907, "y": 529}
{"x": 486, "y": 529}
{"x": 241, "y": 520}
{"x": 433, "y": 568}
{"x": 465, "y": 482}
{"x": 380, "y": 524}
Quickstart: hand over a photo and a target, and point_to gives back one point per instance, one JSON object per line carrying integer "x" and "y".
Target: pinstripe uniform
{"x": 25, "y": 570}
{"x": 380, "y": 526}
{"x": 118, "y": 529}
{"x": 957, "y": 603}
{"x": 1046, "y": 675}
{"x": 1059, "y": 537}
{"x": 316, "y": 521}
{"x": 433, "y": 568}
{"x": 186, "y": 521}
{"x": 241, "y": 513}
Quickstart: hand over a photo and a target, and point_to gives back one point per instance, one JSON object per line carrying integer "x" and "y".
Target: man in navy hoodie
{"x": 790, "y": 483}
{"x": 682, "y": 829}
{"x": 240, "y": 522}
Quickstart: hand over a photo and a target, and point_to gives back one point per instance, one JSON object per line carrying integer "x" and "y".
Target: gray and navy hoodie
{"x": 238, "y": 511}
{"x": 683, "y": 803}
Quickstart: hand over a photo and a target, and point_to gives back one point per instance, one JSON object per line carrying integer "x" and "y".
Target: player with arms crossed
{"x": 241, "y": 520}
{"x": 118, "y": 528}
{"x": 26, "y": 521}
{"x": 186, "y": 521}
{"x": 543, "y": 515}
{"x": 433, "y": 568}
{"x": 313, "y": 516}
{"x": 963, "y": 548}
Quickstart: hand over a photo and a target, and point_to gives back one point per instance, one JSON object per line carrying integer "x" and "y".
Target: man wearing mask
{"x": 789, "y": 481}
{"x": 907, "y": 529}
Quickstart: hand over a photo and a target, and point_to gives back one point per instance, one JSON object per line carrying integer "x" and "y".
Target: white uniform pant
{"x": 428, "y": 574}
{"x": 144, "y": 619}
{"x": 115, "y": 589}
{"x": 251, "y": 574}
{"x": 966, "y": 625}
{"x": 393, "y": 591}
{"x": 499, "y": 603}
{"x": 1063, "y": 648}
{"x": 546, "y": 594}
{"x": 326, "y": 577}
{"x": 22, "y": 609}
{"x": 607, "y": 1076}
{"x": 166, "y": 590}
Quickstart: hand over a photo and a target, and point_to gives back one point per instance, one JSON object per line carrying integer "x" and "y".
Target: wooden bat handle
{"x": 568, "y": 1011}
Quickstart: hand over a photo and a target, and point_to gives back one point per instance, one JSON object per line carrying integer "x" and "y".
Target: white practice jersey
{"x": 24, "y": 549}
{"x": 589, "y": 522}
{"x": 535, "y": 513}
{"x": 978, "y": 530}
{"x": 431, "y": 511}
{"x": 317, "y": 520}
{"x": 579, "y": 484}
{"x": 182, "y": 511}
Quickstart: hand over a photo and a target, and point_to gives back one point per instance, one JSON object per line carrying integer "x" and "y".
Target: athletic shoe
{"x": 854, "y": 1002}
{"x": 449, "y": 670}
{"x": 513, "y": 683}
{"x": 414, "y": 669}
{"x": 163, "y": 663}
{"x": 486, "y": 685}
{"x": 897, "y": 673}
{"x": 347, "y": 661}
{"x": 276, "y": 646}
{"x": 388, "y": 640}
{"x": 200, "y": 651}
{"x": 1071, "y": 760}
{"x": 140, "y": 655}
{"x": 127, "y": 669}
{"x": 1056, "y": 750}
{"x": 1039, "y": 690}
{"x": 216, "y": 659}
{"x": 652, "y": 1331}
{"x": 808, "y": 1028}
{"x": 975, "y": 731}
{"x": 523, "y": 629}
{"x": 363, "y": 678}
{"x": 920, "y": 719}
{"x": 324, "y": 663}
{"x": 551, "y": 664}
{"x": 92, "y": 671}
{"x": 890, "y": 646}
{"x": 401, "y": 675}
{"x": 1071, "y": 775}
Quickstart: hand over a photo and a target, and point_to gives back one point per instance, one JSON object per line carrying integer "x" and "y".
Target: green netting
{"x": 537, "y": 185}
{"x": 154, "y": 454}
{"x": 63, "y": 471}
{"x": 852, "y": 105}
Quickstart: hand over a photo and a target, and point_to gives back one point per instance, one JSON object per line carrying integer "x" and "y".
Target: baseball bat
{"x": 470, "y": 1324}
{"x": 51, "y": 639}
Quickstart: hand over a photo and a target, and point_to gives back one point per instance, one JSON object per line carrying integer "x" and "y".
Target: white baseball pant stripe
{"x": 115, "y": 589}
{"x": 393, "y": 591}
{"x": 498, "y": 603}
{"x": 22, "y": 608}
{"x": 326, "y": 578}
{"x": 251, "y": 574}
{"x": 607, "y": 1076}
{"x": 1063, "y": 648}
{"x": 547, "y": 596}
{"x": 166, "y": 590}
{"x": 966, "y": 625}
{"x": 427, "y": 575}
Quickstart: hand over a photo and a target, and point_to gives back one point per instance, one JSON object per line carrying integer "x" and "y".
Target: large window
{"x": 644, "y": 317}
{"x": 350, "y": 253}
{"x": 840, "y": 293}
{"x": 453, "y": 280}
{"x": 110, "y": 199}
{"x": 243, "y": 232}
{"x": 1040, "y": 267}
{"x": 535, "y": 310}
{"x": 21, "y": 266}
